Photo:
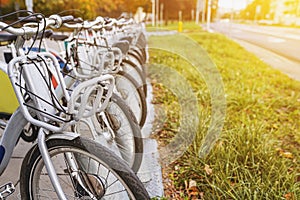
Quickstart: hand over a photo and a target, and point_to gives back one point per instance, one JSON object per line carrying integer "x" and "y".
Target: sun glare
{"x": 235, "y": 4}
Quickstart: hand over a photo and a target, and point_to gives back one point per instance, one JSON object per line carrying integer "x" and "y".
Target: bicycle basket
{"x": 36, "y": 78}
{"x": 90, "y": 59}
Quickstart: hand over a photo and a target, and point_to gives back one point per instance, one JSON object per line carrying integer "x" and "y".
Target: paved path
{"x": 150, "y": 171}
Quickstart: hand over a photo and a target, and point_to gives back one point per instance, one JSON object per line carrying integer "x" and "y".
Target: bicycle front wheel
{"x": 98, "y": 173}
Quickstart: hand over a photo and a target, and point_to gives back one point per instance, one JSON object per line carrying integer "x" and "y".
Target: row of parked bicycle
{"x": 82, "y": 101}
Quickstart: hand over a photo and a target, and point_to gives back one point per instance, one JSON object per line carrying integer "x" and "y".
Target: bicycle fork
{"x": 88, "y": 185}
{"x": 49, "y": 166}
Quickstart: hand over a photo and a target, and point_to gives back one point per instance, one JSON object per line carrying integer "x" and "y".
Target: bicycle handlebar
{"x": 98, "y": 23}
{"x": 36, "y": 18}
{"x": 54, "y": 21}
{"x": 67, "y": 18}
{"x": 85, "y": 24}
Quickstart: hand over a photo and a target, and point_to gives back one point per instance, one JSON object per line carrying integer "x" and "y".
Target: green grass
{"x": 257, "y": 155}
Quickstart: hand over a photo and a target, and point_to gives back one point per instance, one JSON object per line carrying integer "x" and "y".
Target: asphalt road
{"x": 282, "y": 41}
{"x": 277, "y": 46}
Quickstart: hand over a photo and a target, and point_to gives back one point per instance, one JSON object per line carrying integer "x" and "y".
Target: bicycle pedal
{"x": 6, "y": 190}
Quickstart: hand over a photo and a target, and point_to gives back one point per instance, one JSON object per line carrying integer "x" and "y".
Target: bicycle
{"x": 84, "y": 45}
{"x": 114, "y": 126}
{"x": 127, "y": 30}
{"x": 82, "y": 176}
{"x": 85, "y": 39}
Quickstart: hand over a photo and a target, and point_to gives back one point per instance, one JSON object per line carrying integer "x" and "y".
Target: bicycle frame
{"x": 21, "y": 117}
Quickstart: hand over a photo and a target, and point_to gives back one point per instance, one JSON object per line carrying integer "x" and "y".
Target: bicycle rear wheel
{"x": 128, "y": 89}
{"x": 99, "y": 173}
{"x": 130, "y": 68}
{"x": 128, "y": 133}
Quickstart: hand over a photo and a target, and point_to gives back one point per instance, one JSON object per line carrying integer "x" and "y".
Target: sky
{"x": 236, "y": 4}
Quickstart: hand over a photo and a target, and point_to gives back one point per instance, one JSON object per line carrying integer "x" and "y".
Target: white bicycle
{"x": 62, "y": 164}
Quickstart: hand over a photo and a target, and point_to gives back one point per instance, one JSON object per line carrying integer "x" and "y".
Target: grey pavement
{"x": 161, "y": 32}
{"x": 150, "y": 171}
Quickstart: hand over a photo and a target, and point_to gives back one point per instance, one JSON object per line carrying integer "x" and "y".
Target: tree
{"x": 172, "y": 8}
{"x": 89, "y": 9}
{"x": 7, "y": 6}
{"x": 257, "y": 10}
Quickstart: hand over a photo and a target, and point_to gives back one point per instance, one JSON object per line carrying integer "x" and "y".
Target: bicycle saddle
{"x": 123, "y": 46}
{"x": 128, "y": 38}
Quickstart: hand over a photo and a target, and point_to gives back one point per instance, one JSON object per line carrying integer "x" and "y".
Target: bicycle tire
{"x": 117, "y": 103}
{"x": 103, "y": 166}
{"x": 135, "y": 58}
{"x": 142, "y": 45}
{"x": 128, "y": 89}
{"x": 128, "y": 142}
{"x": 136, "y": 73}
{"x": 137, "y": 52}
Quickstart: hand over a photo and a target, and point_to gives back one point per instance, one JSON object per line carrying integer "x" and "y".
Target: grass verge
{"x": 257, "y": 155}
{"x": 173, "y": 26}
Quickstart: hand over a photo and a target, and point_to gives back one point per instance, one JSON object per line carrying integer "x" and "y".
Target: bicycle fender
{"x": 64, "y": 135}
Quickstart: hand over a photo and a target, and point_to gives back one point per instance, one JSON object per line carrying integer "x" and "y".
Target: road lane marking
{"x": 275, "y": 40}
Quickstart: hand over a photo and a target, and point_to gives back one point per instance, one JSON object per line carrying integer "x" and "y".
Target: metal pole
{"x": 197, "y": 11}
{"x": 208, "y": 15}
{"x": 157, "y": 12}
{"x": 203, "y": 10}
{"x": 192, "y": 15}
{"x": 153, "y": 12}
{"x": 197, "y": 17}
{"x": 161, "y": 13}
{"x": 29, "y": 5}
{"x": 180, "y": 15}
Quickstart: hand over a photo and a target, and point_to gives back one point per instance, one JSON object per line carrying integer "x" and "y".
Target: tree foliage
{"x": 172, "y": 8}
{"x": 89, "y": 9}
{"x": 258, "y": 9}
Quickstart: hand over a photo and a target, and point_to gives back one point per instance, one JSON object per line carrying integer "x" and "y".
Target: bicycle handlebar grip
{"x": 77, "y": 20}
{"x": 68, "y": 18}
{"x": 58, "y": 20}
{"x": 107, "y": 20}
{"x": 30, "y": 19}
